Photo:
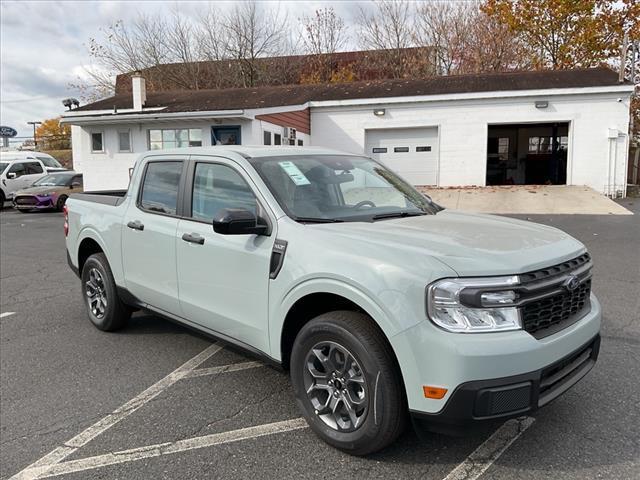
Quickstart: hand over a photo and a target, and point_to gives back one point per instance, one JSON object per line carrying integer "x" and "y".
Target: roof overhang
{"x": 547, "y": 92}
{"x": 97, "y": 117}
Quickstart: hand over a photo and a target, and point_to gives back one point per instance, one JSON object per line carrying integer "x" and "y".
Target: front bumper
{"x": 466, "y": 364}
{"x": 478, "y": 404}
{"x": 33, "y": 202}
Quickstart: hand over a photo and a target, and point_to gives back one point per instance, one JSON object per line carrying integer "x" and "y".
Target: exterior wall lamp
{"x": 379, "y": 112}
{"x": 541, "y": 104}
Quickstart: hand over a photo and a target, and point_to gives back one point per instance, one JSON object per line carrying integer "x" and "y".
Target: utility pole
{"x": 35, "y": 141}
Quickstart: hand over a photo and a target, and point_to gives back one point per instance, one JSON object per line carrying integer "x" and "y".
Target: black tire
{"x": 114, "y": 314}
{"x": 2, "y": 200}
{"x": 383, "y": 390}
{"x": 22, "y": 210}
{"x": 60, "y": 203}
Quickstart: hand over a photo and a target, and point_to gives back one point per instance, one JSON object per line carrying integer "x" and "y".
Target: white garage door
{"x": 411, "y": 152}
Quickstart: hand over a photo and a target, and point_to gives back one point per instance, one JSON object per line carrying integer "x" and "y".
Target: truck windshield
{"x": 339, "y": 188}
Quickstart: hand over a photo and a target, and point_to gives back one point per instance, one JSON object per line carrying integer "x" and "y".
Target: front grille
{"x": 558, "y": 308}
{"x": 561, "y": 268}
{"x": 547, "y": 306}
{"x": 26, "y": 201}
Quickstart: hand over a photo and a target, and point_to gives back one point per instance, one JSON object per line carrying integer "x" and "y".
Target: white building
{"x": 549, "y": 127}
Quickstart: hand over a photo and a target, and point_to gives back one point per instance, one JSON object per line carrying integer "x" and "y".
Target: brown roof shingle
{"x": 248, "y": 98}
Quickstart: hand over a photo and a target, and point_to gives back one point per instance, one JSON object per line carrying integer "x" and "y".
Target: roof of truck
{"x": 248, "y": 151}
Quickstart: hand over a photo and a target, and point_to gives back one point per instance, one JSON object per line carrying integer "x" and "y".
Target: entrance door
{"x": 411, "y": 152}
{"x": 226, "y": 135}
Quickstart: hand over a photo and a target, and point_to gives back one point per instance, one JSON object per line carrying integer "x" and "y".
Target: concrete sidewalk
{"x": 528, "y": 199}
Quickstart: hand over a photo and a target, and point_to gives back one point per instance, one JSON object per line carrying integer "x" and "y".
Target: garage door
{"x": 411, "y": 152}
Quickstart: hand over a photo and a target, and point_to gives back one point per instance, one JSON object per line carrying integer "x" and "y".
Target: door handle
{"x": 137, "y": 225}
{"x": 193, "y": 238}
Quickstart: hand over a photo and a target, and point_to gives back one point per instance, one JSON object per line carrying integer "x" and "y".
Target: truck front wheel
{"x": 347, "y": 383}
{"x": 105, "y": 309}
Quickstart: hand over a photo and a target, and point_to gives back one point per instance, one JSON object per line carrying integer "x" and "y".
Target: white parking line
{"x": 41, "y": 466}
{"x": 235, "y": 367}
{"x": 160, "y": 449}
{"x": 6, "y": 314}
{"x": 486, "y": 454}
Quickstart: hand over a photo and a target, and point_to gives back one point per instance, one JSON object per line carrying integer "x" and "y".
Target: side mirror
{"x": 237, "y": 221}
{"x": 11, "y": 175}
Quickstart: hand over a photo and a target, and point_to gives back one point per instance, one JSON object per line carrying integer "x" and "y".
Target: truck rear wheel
{"x": 105, "y": 309}
{"x": 347, "y": 382}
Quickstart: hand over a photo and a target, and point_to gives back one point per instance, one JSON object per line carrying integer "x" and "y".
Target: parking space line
{"x": 234, "y": 367}
{"x": 160, "y": 449}
{"x": 6, "y": 314}
{"x": 116, "y": 416}
{"x": 490, "y": 450}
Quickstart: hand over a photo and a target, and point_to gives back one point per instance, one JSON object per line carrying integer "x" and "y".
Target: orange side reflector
{"x": 434, "y": 392}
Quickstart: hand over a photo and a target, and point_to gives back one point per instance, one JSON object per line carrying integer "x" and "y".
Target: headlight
{"x": 469, "y": 305}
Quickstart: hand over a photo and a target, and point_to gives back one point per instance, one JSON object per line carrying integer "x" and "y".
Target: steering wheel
{"x": 364, "y": 203}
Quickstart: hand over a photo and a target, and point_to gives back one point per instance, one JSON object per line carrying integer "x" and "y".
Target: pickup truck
{"x": 383, "y": 306}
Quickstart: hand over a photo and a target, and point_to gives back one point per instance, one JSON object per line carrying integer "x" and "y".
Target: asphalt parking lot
{"x": 159, "y": 401}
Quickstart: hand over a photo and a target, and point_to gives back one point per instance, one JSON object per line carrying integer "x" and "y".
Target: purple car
{"x": 49, "y": 192}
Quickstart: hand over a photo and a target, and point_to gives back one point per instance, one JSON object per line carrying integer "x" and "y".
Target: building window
{"x": 300, "y": 142}
{"x": 175, "y": 138}
{"x": 97, "y": 142}
{"x": 266, "y": 137}
{"x": 277, "y": 139}
{"x": 124, "y": 141}
{"x": 544, "y": 145}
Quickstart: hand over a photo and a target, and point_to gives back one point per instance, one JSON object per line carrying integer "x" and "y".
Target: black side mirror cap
{"x": 238, "y": 221}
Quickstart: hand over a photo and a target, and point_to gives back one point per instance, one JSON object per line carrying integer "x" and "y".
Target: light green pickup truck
{"x": 383, "y": 306}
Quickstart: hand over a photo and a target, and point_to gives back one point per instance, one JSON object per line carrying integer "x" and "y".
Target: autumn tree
{"x": 567, "y": 33}
{"x": 51, "y": 135}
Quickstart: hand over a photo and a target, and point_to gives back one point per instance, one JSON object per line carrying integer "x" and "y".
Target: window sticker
{"x": 294, "y": 173}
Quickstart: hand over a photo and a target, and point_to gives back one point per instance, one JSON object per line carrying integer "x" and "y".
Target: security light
{"x": 379, "y": 112}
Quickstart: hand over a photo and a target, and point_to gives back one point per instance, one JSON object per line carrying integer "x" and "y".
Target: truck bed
{"x": 105, "y": 197}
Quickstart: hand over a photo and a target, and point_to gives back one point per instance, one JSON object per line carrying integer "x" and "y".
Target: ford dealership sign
{"x": 7, "y": 132}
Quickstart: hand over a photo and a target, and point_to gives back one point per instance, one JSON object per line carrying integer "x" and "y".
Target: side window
{"x": 18, "y": 169}
{"x": 33, "y": 168}
{"x": 160, "y": 187}
{"x": 216, "y": 187}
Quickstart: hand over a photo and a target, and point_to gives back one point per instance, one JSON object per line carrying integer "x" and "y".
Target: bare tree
{"x": 252, "y": 33}
{"x": 323, "y": 35}
{"x": 388, "y": 27}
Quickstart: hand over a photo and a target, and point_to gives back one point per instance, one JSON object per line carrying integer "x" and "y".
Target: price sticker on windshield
{"x": 294, "y": 173}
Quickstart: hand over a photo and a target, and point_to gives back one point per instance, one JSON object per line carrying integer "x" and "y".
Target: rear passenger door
{"x": 149, "y": 234}
{"x": 223, "y": 279}
{"x": 33, "y": 171}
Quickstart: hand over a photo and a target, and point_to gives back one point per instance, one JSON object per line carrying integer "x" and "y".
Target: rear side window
{"x": 49, "y": 162}
{"x": 33, "y": 168}
{"x": 160, "y": 187}
{"x": 216, "y": 187}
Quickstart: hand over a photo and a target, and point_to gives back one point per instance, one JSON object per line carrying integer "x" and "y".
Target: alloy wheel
{"x": 336, "y": 386}
{"x": 96, "y": 293}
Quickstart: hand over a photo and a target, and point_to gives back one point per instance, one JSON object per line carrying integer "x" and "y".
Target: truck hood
{"x": 470, "y": 244}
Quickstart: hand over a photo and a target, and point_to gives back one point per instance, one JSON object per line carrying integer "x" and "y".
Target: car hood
{"x": 470, "y": 244}
{"x": 39, "y": 190}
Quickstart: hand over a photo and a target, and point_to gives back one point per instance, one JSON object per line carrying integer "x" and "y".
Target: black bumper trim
{"x": 477, "y": 405}
{"x": 72, "y": 266}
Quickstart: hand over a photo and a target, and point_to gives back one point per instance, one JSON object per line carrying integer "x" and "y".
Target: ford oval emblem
{"x": 571, "y": 283}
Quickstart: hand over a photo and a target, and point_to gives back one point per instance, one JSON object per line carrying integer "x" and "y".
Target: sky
{"x": 43, "y": 46}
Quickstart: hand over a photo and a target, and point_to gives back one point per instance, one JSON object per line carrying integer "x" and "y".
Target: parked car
{"x": 379, "y": 302}
{"x": 18, "y": 170}
{"x": 49, "y": 192}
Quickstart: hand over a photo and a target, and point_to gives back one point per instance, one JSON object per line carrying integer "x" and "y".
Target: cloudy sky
{"x": 43, "y": 47}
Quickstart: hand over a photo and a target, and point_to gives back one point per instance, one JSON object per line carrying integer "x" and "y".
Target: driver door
{"x": 223, "y": 280}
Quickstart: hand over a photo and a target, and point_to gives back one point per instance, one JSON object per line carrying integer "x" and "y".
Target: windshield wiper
{"x": 317, "y": 220}
{"x": 382, "y": 216}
